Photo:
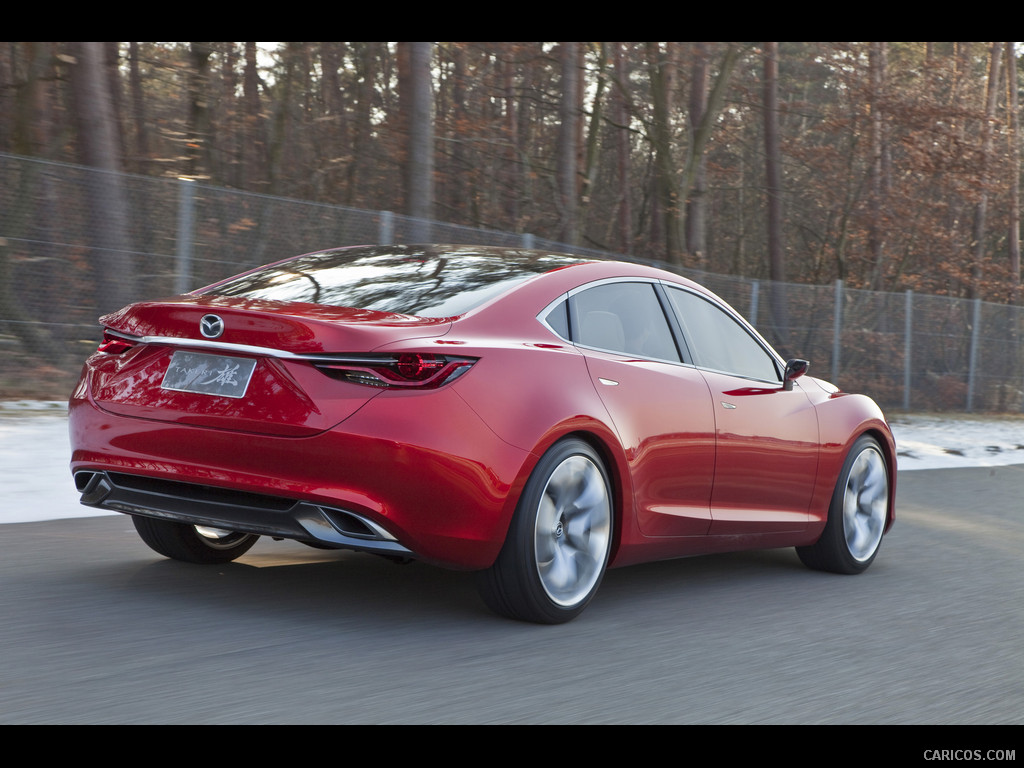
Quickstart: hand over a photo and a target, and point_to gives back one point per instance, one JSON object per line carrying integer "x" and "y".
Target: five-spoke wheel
{"x": 857, "y": 515}
{"x": 558, "y": 545}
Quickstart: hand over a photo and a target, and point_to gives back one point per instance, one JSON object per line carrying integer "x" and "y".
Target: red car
{"x": 532, "y": 416}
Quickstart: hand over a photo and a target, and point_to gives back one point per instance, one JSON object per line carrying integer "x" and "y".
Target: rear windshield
{"x": 409, "y": 280}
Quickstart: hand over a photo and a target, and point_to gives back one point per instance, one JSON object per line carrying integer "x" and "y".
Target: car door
{"x": 766, "y": 435}
{"x": 660, "y": 407}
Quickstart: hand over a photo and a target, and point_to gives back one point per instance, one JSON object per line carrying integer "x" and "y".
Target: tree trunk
{"x": 140, "y": 143}
{"x": 877, "y": 58}
{"x": 416, "y": 101}
{"x": 773, "y": 163}
{"x": 113, "y": 277}
{"x": 773, "y": 189}
{"x": 513, "y": 167}
{"x": 1013, "y": 137}
{"x": 197, "y": 146}
{"x": 981, "y": 207}
{"x": 666, "y": 189}
{"x": 594, "y": 126}
{"x": 253, "y": 174}
{"x": 568, "y": 146}
{"x": 623, "y": 150}
{"x": 696, "y": 233}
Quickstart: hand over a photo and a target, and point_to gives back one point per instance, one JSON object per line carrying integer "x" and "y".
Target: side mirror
{"x": 794, "y": 370}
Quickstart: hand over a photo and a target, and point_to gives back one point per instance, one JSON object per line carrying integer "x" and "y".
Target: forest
{"x": 891, "y": 166}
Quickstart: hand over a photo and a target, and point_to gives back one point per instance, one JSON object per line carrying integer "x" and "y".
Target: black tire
{"x": 191, "y": 543}
{"x": 857, "y": 514}
{"x": 557, "y": 547}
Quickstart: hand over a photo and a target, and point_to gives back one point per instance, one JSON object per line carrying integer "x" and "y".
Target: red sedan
{"x": 532, "y": 416}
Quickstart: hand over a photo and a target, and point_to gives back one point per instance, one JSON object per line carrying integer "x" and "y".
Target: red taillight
{"x": 417, "y": 367}
{"x": 408, "y": 369}
{"x": 114, "y": 345}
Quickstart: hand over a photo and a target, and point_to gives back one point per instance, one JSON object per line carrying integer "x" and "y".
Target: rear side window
{"x": 623, "y": 317}
{"x": 558, "y": 319}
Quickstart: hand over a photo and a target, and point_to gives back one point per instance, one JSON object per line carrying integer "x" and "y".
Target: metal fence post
{"x": 837, "y": 329}
{"x": 907, "y": 326}
{"x": 186, "y": 217}
{"x": 973, "y": 361}
{"x": 386, "y": 232}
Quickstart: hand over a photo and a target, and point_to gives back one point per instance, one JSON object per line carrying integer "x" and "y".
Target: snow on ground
{"x": 34, "y": 453}
{"x": 938, "y": 441}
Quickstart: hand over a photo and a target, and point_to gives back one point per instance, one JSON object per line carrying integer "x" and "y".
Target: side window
{"x": 558, "y": 319}
{"x": 623, "y": 317}
{"x": 717, "y": 341}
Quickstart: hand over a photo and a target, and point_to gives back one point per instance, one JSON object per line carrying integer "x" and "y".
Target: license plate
{"x": 208, "y": 374}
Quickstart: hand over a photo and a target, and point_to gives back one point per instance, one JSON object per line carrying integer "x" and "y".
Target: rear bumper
{"x": 234, "y": 510}
{"x": 402, "y": 476}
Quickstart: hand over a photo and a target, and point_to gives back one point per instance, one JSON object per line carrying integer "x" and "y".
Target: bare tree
{"x": 108, "y": 203}
{"x": 773, "y": 162}
{"x": 623, "y": 147}
{"x": 416, "y": 105}
{"x": 594, "y": 124}
{"x": 666, "y": 188}
{"x": 253, "y": 141}
{"x": 1013, "y": 139}
{"x": 675, "y": 188}
{"x": 568, "y": 145}
{"x": 773, "y": 188}
{"x": 140, "y": 145}
{"x": 197, "y": 142}
{"x": 877, "y": 65}
{"x": 981, "y": 207}
{"x": 696, "y": 233}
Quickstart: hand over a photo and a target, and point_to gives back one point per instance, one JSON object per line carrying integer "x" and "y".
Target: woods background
{"x": 837, "y": 190}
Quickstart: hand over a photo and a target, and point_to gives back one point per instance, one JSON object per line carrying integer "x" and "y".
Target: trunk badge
{"x": 211, "y": 326}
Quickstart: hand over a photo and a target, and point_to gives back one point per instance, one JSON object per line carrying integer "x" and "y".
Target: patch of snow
{"x": 35, "y": 454}
{"x": 933, "y": 441}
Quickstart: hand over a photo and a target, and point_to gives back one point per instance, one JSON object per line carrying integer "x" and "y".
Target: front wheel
{"x": 192, "y": 543}
{"x": 557, "y": 547}
{"x": 857, "y": 514}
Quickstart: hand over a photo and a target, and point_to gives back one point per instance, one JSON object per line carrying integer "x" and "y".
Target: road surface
{"x": 97, "y": 629}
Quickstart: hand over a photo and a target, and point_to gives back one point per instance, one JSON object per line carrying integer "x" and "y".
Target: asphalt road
{"x": 97, "y": 629}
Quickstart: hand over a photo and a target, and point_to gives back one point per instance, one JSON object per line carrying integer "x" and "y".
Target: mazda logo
{"x": 211, "y": 326}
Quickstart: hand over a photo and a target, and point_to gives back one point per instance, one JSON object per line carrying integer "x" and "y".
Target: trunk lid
{"x": 242, "y": 364}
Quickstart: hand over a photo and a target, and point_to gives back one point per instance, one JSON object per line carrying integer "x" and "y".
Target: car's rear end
{"x": 256, "y": 407}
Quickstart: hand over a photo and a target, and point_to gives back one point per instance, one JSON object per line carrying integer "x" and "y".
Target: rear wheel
{"x": 857, "y": 515}
{"x": 557, "y": 547}
{"x": 192, "y": 543}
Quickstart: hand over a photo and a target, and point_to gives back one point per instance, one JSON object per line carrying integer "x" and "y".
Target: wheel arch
{"x": 843, "y": 419}
{"x": 604, "y": 442}
{"x": 546, "y": 573}
{"x": 832, "y": 461}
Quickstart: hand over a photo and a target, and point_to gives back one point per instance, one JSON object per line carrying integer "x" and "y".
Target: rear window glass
{"x": 427, "y": 282}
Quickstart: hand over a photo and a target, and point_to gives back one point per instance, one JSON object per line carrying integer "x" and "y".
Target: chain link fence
{"x": 77, "y": 242}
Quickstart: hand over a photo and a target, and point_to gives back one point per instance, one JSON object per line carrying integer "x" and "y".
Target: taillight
{"x": 417, "y": 367}
{"x": 114, "y": 345}
{"x": 408, "y": 369}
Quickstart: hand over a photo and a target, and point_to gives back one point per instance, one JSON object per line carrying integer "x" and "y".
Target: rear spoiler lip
{"x": 249, "y": 349}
